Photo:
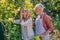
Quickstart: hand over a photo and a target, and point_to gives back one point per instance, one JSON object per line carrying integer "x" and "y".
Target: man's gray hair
{"x": 39, "y": 5}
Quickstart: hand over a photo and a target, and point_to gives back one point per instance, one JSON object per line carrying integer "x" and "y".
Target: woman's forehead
{"x": 25, "y": 11}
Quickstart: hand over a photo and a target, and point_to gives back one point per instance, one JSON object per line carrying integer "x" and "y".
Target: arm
{"x": 48, "y": 21}
{"x": 49, "y": 24}
{"x": 16, "y": 21}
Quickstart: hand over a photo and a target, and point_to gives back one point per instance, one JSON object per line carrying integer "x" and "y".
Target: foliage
{"x": 8, "y": 9}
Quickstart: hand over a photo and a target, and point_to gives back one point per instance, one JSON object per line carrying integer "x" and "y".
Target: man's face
{"x": 38, "y": 10}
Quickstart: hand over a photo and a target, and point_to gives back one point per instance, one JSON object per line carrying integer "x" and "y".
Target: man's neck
{"x": 41, "y": 13}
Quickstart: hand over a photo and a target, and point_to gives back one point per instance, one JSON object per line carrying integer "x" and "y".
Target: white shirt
{"x": 28, "y": 24}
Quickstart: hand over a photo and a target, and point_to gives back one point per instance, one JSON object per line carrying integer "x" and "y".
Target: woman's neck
{"x": 26, "y": 19}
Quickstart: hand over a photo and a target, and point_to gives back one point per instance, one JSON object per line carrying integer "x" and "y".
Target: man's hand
{"x": 42, "y": 36}
{"x": 45, "y": 33}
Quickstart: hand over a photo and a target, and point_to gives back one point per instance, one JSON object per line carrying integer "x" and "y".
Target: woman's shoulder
{"x": 30, "y": 19}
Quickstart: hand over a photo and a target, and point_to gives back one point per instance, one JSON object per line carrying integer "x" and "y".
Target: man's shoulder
{"x": 46, "y": 16}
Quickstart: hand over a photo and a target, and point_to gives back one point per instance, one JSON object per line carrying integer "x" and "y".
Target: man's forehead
{"x": 38, "y": 7}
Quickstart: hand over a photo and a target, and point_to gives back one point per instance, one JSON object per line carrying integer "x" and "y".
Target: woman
{"x": 43, "y": 23}
{"x": 26, "y": 24}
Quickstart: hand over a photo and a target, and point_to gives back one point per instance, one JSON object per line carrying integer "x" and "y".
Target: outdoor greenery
{"x": 8, "y": 9}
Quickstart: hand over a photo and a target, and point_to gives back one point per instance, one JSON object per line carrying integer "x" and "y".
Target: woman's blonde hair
{"x": 27, "y": 12}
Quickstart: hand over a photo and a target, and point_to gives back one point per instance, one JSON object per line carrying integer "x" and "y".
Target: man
{"x": 43, "y": 23}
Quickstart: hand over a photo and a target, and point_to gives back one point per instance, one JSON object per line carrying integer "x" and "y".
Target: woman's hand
{"x": 12, "y": 19}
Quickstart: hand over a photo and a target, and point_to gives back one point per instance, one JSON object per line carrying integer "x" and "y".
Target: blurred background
{"x": 9, "y": 8}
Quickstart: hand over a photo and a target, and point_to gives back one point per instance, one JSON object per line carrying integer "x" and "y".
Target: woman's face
{"x": 25, "y": 15}
{"x": 38, "y": 10}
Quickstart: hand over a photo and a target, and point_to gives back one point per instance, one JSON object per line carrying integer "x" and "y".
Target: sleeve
{"x": 33, "y": 23}
{"x": 16, "y": 21}
{"x": 49, "y": 23}
{"x": 24, "y": 23}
